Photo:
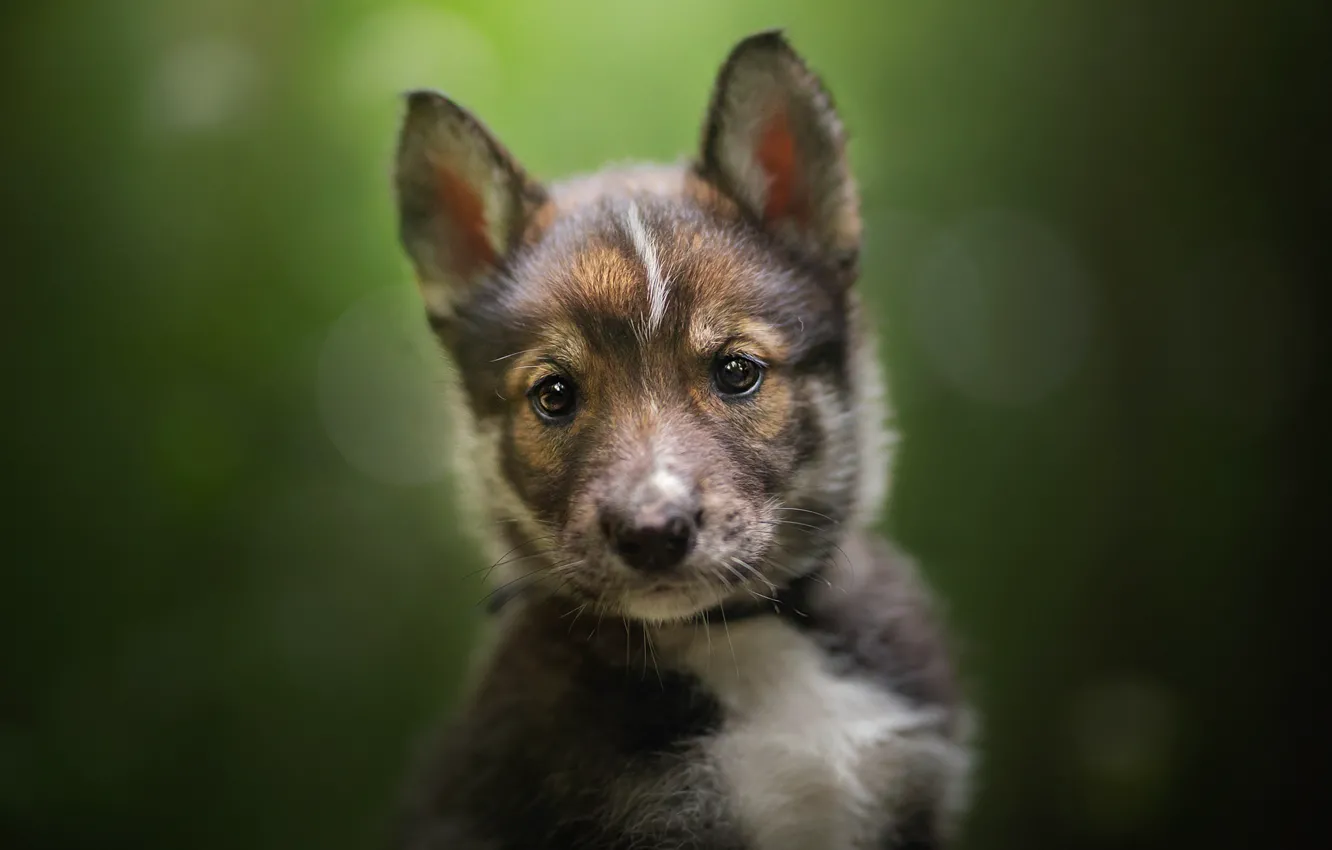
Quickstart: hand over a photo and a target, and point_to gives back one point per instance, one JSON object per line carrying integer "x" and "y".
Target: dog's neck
{"x": 788, "y": 602}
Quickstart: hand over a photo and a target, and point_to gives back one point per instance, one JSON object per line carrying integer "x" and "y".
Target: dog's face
{"x": 657, "y": 363}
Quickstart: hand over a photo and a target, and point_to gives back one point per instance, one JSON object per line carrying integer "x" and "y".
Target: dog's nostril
{"x": 676, "y": 529}
{"x": 654, "y": 545}
{"x": 627, "y": 546}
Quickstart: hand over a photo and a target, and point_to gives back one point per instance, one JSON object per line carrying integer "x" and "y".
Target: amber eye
{"x": 736, "y": 375}
{"x": 554, "y": 398}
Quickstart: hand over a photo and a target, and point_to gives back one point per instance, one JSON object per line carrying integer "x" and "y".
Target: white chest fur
{"x": 810, "y": 759}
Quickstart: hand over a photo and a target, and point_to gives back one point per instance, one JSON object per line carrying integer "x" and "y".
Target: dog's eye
{"x": 554, "y": 398}
{"x": 736, "y": 375}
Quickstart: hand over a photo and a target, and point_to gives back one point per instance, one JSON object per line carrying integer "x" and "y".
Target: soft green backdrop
{"x": 238, "y": 595}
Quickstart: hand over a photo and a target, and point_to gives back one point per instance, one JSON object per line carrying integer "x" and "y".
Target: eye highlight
{"x": 736, "y": 375}
{"x": 554, "y": 398}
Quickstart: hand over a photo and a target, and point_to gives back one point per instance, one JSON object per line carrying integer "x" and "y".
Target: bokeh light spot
{"x": 1124, "y": 743}
{"x": 409, "y": 47}
{"x": 1001, "y": 308}
{"x": 381, "y": 390}
{"x": 202, "y": 85}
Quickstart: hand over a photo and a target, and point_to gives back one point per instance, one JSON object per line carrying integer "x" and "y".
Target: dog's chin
{"x": 670, "y": 604}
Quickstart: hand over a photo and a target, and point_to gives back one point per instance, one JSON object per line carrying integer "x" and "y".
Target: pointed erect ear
{"x": 774, "y": 144}
{"x": 463, "y": 203}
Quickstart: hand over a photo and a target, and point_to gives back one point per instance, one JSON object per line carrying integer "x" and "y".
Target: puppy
{"x": 671, "y": 424}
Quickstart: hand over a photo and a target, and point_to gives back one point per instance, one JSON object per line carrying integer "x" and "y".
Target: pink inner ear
{"x": 776, "y": 154}
{"x": 469, "y": 241}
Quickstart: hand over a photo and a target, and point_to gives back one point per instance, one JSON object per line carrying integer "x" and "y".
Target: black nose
{"x": 651, "y": 543}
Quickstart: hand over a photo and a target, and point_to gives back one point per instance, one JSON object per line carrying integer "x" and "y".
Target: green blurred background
{"x": 237, "y": 596}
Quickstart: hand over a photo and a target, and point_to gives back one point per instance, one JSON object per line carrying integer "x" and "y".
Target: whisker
{"x": 568, "y": 565}
{"x": 789, "y": 522}
{"x": 577, "y": 612}
{"x": 537, "y": 571}
{"x": 655, "y": 666}
{"x": 733, "y": 571}
{"x": 625, "y": 620}
{"x": 643, "y": 630}
{"x": 707, "y": 632}
{"x": 758, "y": 595}
{"x": 727, "y": 627}
{"x": 500, "y": 561}
{"x": 793, "y": 573}
{"x": 758, "y": 574}
{"x": 540, "y": 572}
{"x": 815, "y": 513}
{"x": 524, "y": 557}
{"x": 849, "y": 563}
{"x": 718, "y": 576}
{"x": 543, "y": 572}
{"x": 561, "y": 586}
{"x": 601, "y": 612}
{"x": 499, "y": 564}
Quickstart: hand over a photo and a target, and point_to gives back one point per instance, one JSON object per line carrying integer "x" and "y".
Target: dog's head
{"x": 659, "y": 366}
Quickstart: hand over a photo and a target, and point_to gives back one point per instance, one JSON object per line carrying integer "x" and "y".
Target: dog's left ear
{"x": 463, "y": 200}
{"x": 774, "y": 144}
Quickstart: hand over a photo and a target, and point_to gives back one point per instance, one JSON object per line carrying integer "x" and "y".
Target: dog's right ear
{"x": 463, "y": 202}
{"x": 774, "y": 143}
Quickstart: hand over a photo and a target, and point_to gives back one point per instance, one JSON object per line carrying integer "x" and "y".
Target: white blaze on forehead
{"x": 647, "y": 252}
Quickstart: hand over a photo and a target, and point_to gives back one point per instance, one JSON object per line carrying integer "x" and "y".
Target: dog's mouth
{"x": 671, "y": 603}
{"x": 702, "y": 583}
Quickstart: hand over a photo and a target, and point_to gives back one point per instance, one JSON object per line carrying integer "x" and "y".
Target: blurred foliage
{"x": 239, "y": 594}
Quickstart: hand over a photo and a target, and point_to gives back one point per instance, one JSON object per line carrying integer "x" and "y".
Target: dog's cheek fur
{"x": 486, "y": 429}
{"x": 768, "y": 418}
{"x": 497, "y": 517}
{"x": 536, "y": 459}
{"x": 749, "y": 464}
{"x": 828, "y": 462}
